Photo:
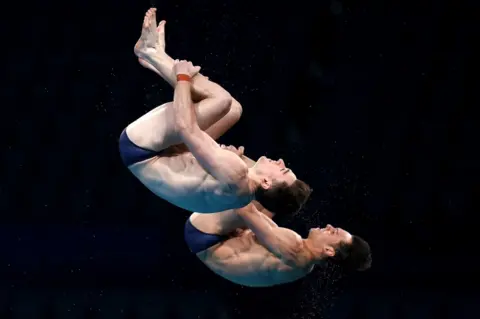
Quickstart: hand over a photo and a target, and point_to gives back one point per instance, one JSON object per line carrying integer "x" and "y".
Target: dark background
{"x": 371, "y": 102}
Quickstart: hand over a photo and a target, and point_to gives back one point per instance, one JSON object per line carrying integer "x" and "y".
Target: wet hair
{"x": 355, "y": 256}
{"x": 283, "y": 199}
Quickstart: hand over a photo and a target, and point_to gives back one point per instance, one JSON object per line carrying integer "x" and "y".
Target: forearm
{"x": 202, "y": 88}
{"x": 184, "y": 112}
{"x": 255, "y": 219}
{"x": 282, "y": 242}
{"x": 263, "y": 227}
{"x": 162, "y": 64}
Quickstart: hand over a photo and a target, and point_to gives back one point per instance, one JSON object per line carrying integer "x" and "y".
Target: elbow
{"x": 245, "y": 210}
{"x": 184, "y": 128}
{"x": 181, "y": 125}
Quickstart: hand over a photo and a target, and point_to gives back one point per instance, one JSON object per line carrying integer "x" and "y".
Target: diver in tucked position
{"x": 173, "y": 152}
{"x": 244, "y": 245}
{"x": 247, "y": 247}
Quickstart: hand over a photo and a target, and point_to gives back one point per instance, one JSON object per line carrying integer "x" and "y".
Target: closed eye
{"x": 286, "y": 171}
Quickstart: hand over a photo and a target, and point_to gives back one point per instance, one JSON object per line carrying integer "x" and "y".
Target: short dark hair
{"x": 284, "y": 199}
{"x": 355, "y": 256}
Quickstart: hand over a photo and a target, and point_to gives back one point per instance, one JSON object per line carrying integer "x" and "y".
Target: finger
{"x": 241, "y": 149}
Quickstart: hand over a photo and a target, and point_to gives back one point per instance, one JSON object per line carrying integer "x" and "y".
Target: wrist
{"x": 183, "y": 77}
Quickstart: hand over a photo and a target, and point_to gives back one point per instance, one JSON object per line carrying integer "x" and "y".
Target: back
{"x": 244, "y": 261}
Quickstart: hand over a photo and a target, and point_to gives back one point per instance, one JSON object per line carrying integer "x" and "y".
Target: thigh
{"x": 154, "y": 130}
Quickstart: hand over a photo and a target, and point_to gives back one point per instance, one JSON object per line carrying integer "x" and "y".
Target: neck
{"x": 253, "y": 182}
{"x": 313, "y": 254}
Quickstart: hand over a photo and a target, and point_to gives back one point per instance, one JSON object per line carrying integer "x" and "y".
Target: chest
{"x": 182, "y": 175}
{"x": 243, "y": 252}
{"x": 242, "y": 260}
{"x": 180, "y": 179}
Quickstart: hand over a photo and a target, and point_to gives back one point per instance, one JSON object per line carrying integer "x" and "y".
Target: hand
{"x": 239, "y": 151}
{"x": 185, "y": 67}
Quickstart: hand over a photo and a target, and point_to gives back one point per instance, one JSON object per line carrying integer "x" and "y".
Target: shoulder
{"x": 293, "y": 247}
{"x": 295, "y": 239}
{"x": 238, "y": 180}
{"x": 299, "y": 256}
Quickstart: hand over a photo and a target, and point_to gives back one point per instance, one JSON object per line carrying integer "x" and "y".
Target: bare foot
{"x": 161, "y": 36}
{"x": 158, "y": 48}
{"x": 147, "y": 44}
{"x": 160, "y": 45}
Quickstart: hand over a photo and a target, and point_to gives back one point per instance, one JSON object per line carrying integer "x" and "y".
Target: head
{"x": 349, "y": 251}
{"x": 277, "y": 188}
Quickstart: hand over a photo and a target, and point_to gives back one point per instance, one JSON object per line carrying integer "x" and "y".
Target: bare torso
{"x": 177, "y": 177}
{"x": 241, "y": 259}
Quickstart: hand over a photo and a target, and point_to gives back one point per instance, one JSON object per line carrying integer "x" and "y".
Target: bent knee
{"x": 226, "y": 101}
{"x": 236, "y": 110}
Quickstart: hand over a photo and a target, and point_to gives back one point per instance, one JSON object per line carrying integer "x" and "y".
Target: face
{"x": 327, "y": 239}
{"x": 273, "y": 171}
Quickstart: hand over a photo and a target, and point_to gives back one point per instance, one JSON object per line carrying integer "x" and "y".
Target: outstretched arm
{"x": 282, "y": 242}
{"x": 220, "y": 163}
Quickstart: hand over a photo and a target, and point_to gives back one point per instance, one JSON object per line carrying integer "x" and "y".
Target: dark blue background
{"x": 371, "y": 102}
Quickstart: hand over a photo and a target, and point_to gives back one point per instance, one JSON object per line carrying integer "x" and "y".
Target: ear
{"x": 329, "y": 251}
{"x": 266, "y": 183}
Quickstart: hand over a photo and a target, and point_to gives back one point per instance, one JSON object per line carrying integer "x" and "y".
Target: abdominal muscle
{"x": 244, "y": 261}
{"x": 180, "y": 180}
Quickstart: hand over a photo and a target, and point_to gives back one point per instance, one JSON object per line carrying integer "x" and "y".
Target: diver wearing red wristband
{"x": 183, "y": 77}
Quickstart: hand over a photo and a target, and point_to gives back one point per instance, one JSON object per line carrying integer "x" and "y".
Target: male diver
{"x": 247, "y": 247}
{"x": 173, "y": 152}
{"x": 244, "y": 245}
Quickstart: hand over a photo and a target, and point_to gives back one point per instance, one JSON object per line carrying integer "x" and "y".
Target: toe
{"x": 161, "y": 26}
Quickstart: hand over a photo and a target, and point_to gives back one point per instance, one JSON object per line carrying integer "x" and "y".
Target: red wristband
{"x": 183, "y": 77}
